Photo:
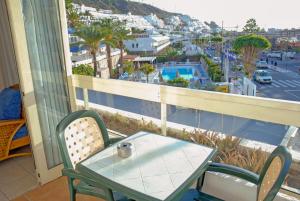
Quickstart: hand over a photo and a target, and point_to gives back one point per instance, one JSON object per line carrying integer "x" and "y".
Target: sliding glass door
{"x": 45, "y": 48}
{"x": 39, "y": 46}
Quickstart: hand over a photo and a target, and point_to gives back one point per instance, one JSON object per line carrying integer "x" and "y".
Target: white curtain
{"x": 45, "y": 47}
{"x": 8, "y": 66}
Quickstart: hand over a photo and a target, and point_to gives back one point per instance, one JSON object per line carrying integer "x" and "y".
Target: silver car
{"x": 262, "y": 76}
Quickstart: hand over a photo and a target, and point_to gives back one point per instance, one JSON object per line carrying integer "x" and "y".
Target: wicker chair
{"x": 80, "y": 135}
{"x": 8, "y": 129}
{"x": 268, "y": 182}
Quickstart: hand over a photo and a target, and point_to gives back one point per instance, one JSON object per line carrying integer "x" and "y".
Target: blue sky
{"x": 268, "y": 13}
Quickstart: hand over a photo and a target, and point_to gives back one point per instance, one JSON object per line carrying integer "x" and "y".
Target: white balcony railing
{"x": 256, "y": 108}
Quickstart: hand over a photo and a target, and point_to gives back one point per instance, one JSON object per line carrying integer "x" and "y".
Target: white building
{"x": 82, "y": 8}
{"x": 147, "y": 43}
{"x": 155, "y": 21}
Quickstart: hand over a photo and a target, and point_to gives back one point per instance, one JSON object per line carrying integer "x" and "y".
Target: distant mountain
{"x": 125, "y": 6}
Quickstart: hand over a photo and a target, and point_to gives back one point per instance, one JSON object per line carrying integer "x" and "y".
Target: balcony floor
{"x": 56, "y": 190}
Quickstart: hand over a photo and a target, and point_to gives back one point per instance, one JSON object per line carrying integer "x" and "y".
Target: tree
{"x": 129, "y": 67}
{"x": 147, "y": 69}
{"x": 83, "y": 69}
{"x": 122, "y": 34}
{"x": 249, "y": 46}
{"x": 72, "y": 15}
{"x": 109, "y": 28}
{"x": 91, "y": 36}
{"x": 251, "y": 26}
{"x": 179, "y": 82}
{"x": 200, "y": 41}
{"x": 217, "y": 41}
{"x": 171, "y": 53}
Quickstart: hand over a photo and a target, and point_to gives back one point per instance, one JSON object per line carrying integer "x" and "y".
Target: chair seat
{"x": 195, "y": 195}
{"x": 86, "y": 189}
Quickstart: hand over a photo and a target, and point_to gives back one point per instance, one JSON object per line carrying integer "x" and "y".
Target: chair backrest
{"x": 81, "y": 134}
{"x": 273, "y": 174}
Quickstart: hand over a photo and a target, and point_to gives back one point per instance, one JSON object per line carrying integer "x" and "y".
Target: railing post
{"x": 163, "y": 116}
{"x": 86, "y": 98}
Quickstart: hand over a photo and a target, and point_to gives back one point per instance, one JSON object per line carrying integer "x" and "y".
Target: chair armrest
{"x": 75, "y": 175}
{"x": 11, "y": 122}
{"x": 234, "y": 171}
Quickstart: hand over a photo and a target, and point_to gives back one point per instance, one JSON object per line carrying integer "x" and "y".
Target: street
{"x": 285, "y": 85}
{"x": 286, "y": 80}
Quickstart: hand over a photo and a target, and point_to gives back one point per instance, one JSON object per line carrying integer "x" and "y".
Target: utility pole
{"x": 222, "y": 46}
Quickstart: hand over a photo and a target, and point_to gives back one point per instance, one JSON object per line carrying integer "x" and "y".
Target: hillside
{"x": 125, "y": 6}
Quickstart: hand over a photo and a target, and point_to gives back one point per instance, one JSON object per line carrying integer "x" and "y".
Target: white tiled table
{"x": 160, "y": 169}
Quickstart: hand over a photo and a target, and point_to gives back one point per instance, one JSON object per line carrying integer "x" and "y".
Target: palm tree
{"x": 122, "y": 34}
{"x": 72, "y": 15}
{"x": 147, "y": 69}
{"x": 109, "y": 28}
{"x": 91, "y": 36}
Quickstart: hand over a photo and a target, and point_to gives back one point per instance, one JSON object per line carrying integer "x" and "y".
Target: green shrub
{"x": 178, "y": 82}
{"x": 83, "y": 69}
{"x": 214, "y": 70}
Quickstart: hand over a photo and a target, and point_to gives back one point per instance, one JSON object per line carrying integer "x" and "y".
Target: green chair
{"x": 80, "y": 135}
{"x": 268, "y": 182}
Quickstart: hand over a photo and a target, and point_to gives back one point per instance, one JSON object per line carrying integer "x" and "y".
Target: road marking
{"x": 297, "y": 81}
{"x": 279, "y": 83}
{"x": 275, "y": 85}
{"x": 293, "y": 82}
{"x": 284, "y": 82}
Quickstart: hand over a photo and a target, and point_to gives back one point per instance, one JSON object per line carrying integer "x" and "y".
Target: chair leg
{"x": 200, "y": 182}
{"x": 109, "y": 195}
{"x": 72, "y": 191}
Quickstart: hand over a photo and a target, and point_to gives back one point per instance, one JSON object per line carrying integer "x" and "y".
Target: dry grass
{"x": 229, "y": 150}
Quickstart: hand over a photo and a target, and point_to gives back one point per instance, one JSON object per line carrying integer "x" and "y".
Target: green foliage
{"x": 92, "y": 36}
{"x": 83, "y": 70}
{"x": 251, "y": 26}
{"x": 129, "y": 67}
{"x": 171, "y": 53}
{"x": 147, "y": 69}
{"x": 251, "y": 40}
{"x": 137, "y": 31}
{"x": 111, "y": 29}
{"x": 214, "y": 70}
{"x": 72, "y": 16}
{"x": 178, "y": 46}
{"x": 216, "y": 39}
{"x": 178, "y": 82}
{"x": 161, "y": 59}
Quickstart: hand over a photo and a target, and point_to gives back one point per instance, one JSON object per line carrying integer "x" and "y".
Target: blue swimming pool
{"x": 186, "y": 72}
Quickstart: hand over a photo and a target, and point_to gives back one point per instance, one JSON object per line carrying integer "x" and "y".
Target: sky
{"x": 268, "y": 13}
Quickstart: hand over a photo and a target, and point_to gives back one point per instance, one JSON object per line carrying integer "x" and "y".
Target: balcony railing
{"x": 254, "y": 108}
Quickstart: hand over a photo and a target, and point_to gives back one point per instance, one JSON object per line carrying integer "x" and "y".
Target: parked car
{"x": 290, "y": 55}
{"x": 217, "y": 60}
{"x": 262, "y": 76}
{"x": 262, "y": 64}
{"x": 275, "y": 54}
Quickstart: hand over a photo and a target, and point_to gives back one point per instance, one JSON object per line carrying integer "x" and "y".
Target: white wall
{"x": 144, "y": 45}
